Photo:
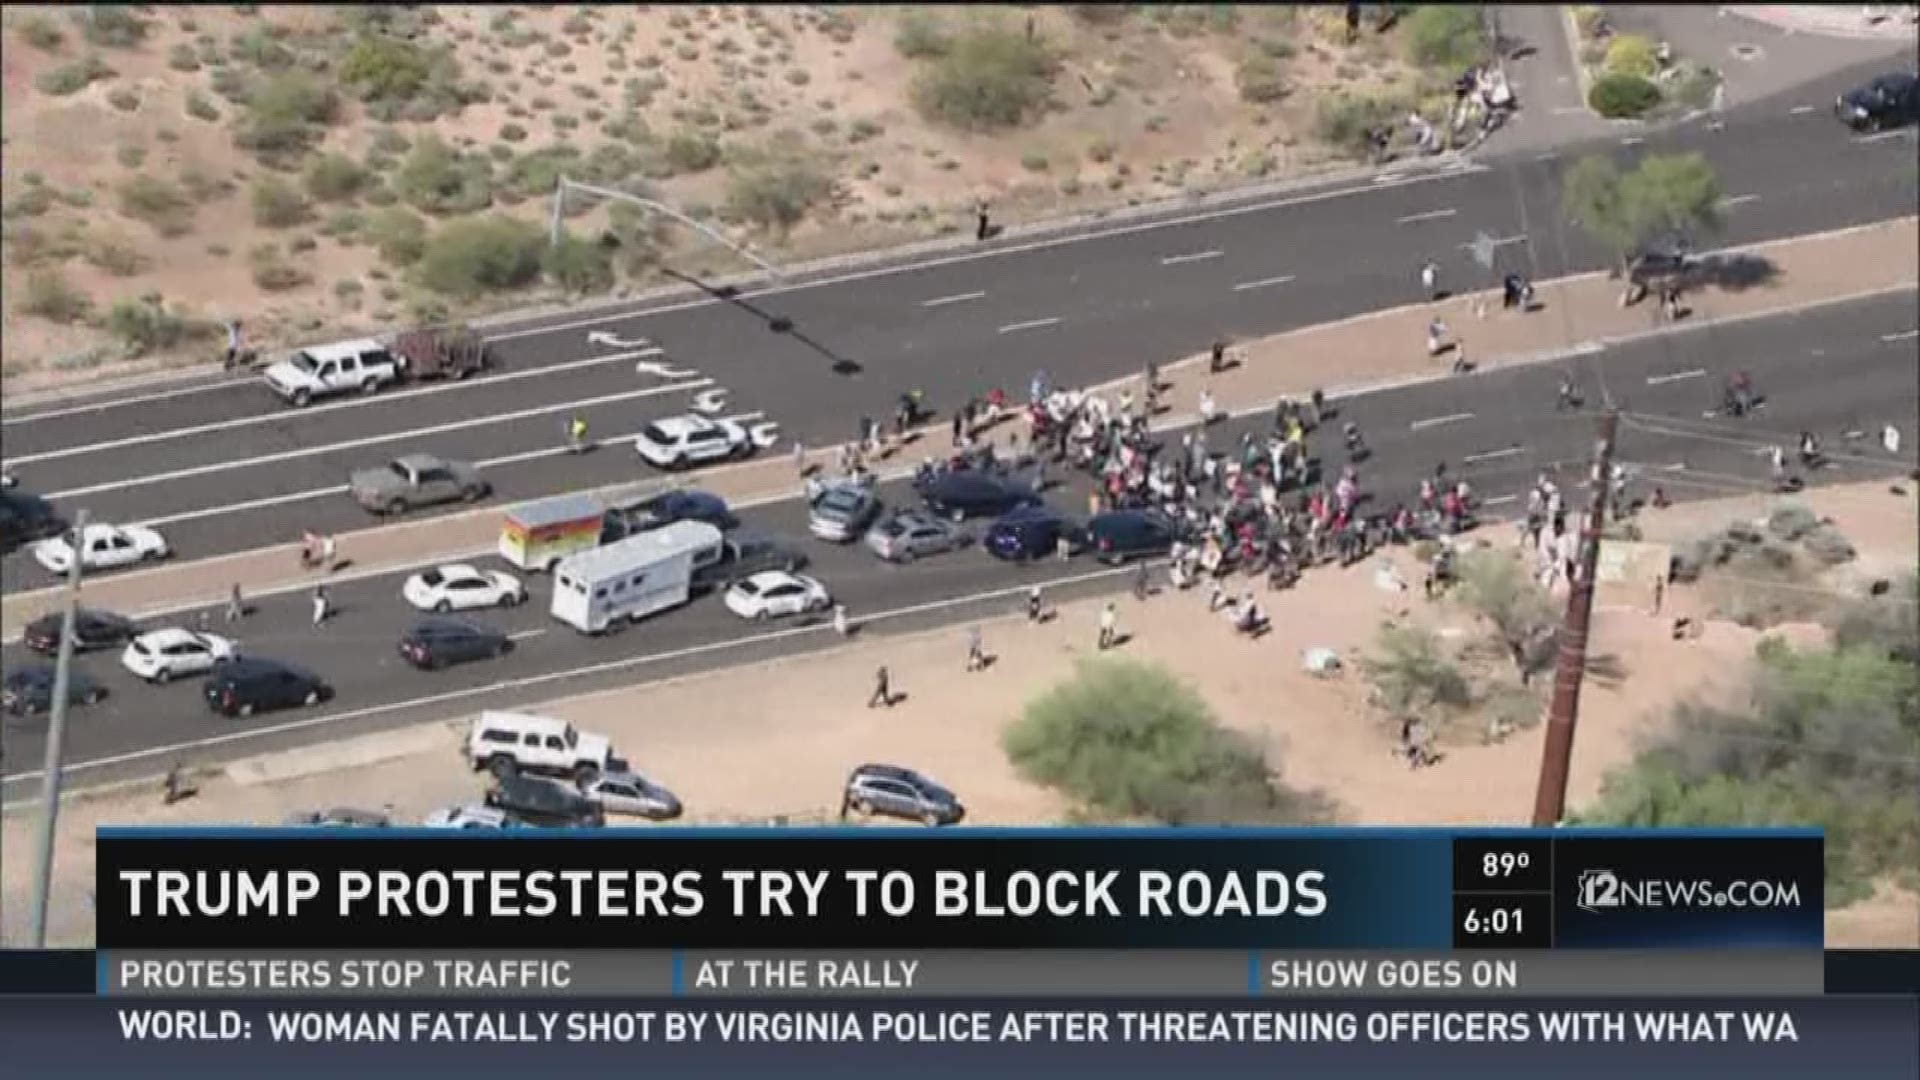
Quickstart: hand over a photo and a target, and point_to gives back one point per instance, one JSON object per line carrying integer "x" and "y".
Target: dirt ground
{"x": 777, "y": 739}
{"x": 1144, "y": 105}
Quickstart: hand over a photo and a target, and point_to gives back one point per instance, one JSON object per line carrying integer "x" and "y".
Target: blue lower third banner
{"x": 81, "y": 1039}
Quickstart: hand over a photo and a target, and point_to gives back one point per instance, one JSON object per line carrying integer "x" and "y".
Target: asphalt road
{"x": 1842, "y": 368}
{"x": 221, "y": 466}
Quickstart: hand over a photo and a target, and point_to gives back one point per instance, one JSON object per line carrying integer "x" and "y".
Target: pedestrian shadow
{"x": 1606, "y": 670}
{"x": 1734, "y": 273}
{"x": 986, "y": 662}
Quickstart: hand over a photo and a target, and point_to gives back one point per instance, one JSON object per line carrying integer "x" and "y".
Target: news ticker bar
{"x": 958, "y": 973}
{"x": 731, "y": 889}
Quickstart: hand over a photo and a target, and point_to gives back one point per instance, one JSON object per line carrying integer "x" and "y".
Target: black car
{"x": 744, "y": 555}
{"x": 442, "y": 642}
{"x": 538, "y": 801}
{"x": 1890, "y": 101}
{"x": 965, "y": 493}
{"x": 28, "y": 690}
{"x": 91, "y": 630}
{"x": 1032, "y": 532}
{"x": 1119, "y": 535}
{"x": 25, "y": 518}
{"x": 247, "y": 686}
{"x": 671, "y": 506}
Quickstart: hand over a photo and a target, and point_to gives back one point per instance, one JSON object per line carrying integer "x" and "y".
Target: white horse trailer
{"x": 633, "y": 578}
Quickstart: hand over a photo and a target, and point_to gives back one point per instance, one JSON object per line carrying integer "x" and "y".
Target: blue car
{"x": 671, "y": 506}
{"x": 1032, "y": 532}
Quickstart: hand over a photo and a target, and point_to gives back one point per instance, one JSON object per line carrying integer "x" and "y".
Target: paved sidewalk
{"x": 1576, "y": 316}
{"x": 1836, "y": 20}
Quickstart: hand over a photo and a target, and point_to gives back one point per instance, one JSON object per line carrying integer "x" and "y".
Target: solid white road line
{"x": 1632, "y": 140}
{"x": 1198, "y": 256}
{"x": 957, "y": 298}
{"x": 1881, "y": 136}
{"x": 1032, "y": 324}
{"x": 1431, "y": 215}
{"x": 1436, "y": 421}
{"x": 374, "y": 440}
{"x": 1658, "y": 380}
{"x": 1800, "y": 110}
{"x": 1494, "y": 455}
{"x": 1498, "y": 242}
{"x": 1732, "y": 201}
{"x": 281, "y": 417}
{"x": 1263, "y": 283}
{"x": 1904, "y": 335}
{"x": 522, "y": 635}
{"x": 621, "y": 664}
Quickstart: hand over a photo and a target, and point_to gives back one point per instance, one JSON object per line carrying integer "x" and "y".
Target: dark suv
{"x": 671, "y": 506}
{"x": 973, "y": 493}
{"x": 443, "y": 642}
{"x": 1119, "y": 535}
{"x": 898, "y": 792}
{"x": 246, "y": 686}
{"x": 743, "y": 555}
{"x": 1890, "y": 101}
{"x": 25, "y": 518}
{"x": 28, "y": 690}
{"x": 1032, "y": 532}
{"x": 549, "y": 803}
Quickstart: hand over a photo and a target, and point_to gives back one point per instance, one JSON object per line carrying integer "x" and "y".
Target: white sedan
{"x": 102, "y": 547}
{"x": 774, "y": 593}
{"x": 460, "y": 587}
{"x": 159, "y": 656}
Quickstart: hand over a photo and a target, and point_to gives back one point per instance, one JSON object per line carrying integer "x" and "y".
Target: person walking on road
{"x": 576, "y": 434}
{"x": 1109, "y": 627}
{"x": 236, "y": 607}
{"x": 976, "y": 650}
{"x": 1430, "y": 280}
{"x": 840, "y": 619}
{"x": 322, "y": 606}
{"x": 1890, "y": 439}
{"x": 882, "y": 696}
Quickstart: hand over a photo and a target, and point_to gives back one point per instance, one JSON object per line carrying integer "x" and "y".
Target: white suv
{"x": 679, "y": 441}
{"x": 507, "y": 743}
{"x": 324, "y": 370}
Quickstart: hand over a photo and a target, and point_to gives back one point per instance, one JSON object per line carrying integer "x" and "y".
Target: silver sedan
{"x": 905, "y": 535}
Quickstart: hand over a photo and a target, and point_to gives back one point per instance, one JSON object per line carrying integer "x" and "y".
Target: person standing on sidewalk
{"x": 976, "y": 650}
{"x": 1436, "y": 337}
{"x": 882, "y": 695}
{"x": 1109, "y": 627}
{"x": 983, "y": 226}
{"x": 1034, "y": 608}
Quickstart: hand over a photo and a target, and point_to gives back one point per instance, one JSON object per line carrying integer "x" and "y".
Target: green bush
{"x": 1129, "y": 740}
{"x": 200, "y": 108}
{"x": 776, "y": 191}
{"x": 116, "y": 256}
{"x": 1412, "y": 676}
{"x": 1260, "y": 80}
{"x": 513, "y": 133}
{"x": 183, "y": 58}
{"x": 160, "y": 204}
{"x": 440, "y": 180}
{"x": 1631, "y": 54}
{"x": 1622, "y": 97}
{"x": 40, "y": 32}
{"x": 578, "y": 266}
{"x": 49, "y": 296}
{"x": 145, "y": 326}
{"x": 111, "y": 26}
{"x": 921, "y": 36}
{"x": 259, "y": 48}
{"x": 382, "y": 68}
{"x": 1343, "y": 118}
{"x": 284, "y": 114}
{"x": 271, "y": 273}
{"x": 478, "y": 255}
{"x": 278, "y": 204}
{"x": 691, "y": 151}
{"x": 398, "y": 234}
{"x": 123, "y": 99}
{"x": 536, "y": 175}
{"x": 334, "y": 178}
{"x": 73, "y": 78}
{"x": 1445, "y": 36}
{"x": 991, "y": 77}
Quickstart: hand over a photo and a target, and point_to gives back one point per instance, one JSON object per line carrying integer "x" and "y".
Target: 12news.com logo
{"x": 1605, "y": 890}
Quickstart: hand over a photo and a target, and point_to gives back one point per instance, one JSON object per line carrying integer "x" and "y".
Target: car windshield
{"x": 653, "y": 433}
{"x": 748, "y": 588}
{"x": 399, "y": 470}
{"x": 842, "y": 500}
{"x": 431, "y": 578}
{"x": 303, "y": 362}
{"x": 934, "y": 792}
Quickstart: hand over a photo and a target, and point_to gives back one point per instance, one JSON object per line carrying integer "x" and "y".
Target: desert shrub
{"x": 1343, "y": 118}
{"x": 381, "y": 68}
{"x": 1631, "y": 54}
{"x": 1693, "y": 84}
{"x": 1445, "y": 36}
{"x": 183, "y": 58}
{"x": 344, "y": 225}
{"x": 635, "y": 237}
{"x": 37, "y": 199}
{"x": 1828, "y": 545}
{"x": 278, "y": 204}
{"x": 1260, "y": 80}
{"x": 478, "y": 255}
{"x": 1763, "y": 586}
{"x": 1130, "y": 740}
{"x": 440, "y": 180}
{"x": 1034, "y": 161}
{"x": 284, "y": 114}
{"x": 1622, "y": 97}
{"x": 691, "y": 151}
{"x": 123, "y": 99}
{"x": 1791, "y": 522}
{"x": 398, "y": 234}
{"x": 271, "y": 273}
{"x": 256, "y": 46}
{"x": 775, "y": 191}
{"x": 111, "y": 26}
{"x": 198, "y": 107}
{"x": 578, "y": 266}
{"x": 334, "y": 178}
{"x": 73, "y": 78}
{"x": 1500, "y": 590}
{"x": 162, "y": 205}
{"x": 1887, "y": 624}
{"x": 145, "y": 326}
{"x": 991, "y": 77}
{"x": 921, "y": 36}
{"x": 537, "y": 174}
{"x": 40, "y": 32}
{"x": 115, "y": 256}
{"x": 48, "y": 295}
{"x": 1411, "y": 675}
{"x": 513, "y": 133}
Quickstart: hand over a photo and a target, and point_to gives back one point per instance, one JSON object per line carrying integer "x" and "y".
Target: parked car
{"x": 473, "y": 816}
{"x": 840, "y": 512}
{"x": 671, "y": 506}
{"x": 102, "y": 547}
{"x": 91, "y": 630}
{"x": 505, "y": 743}
{"x": 775, "y": 593}
{"x": 447, "y": 353}
{"x": 28, "y": 689}
{"x": 965, "y": 493}
{"x": 679, "y": 441}
{"x": 432, "y": 644}
{"x": 416, "y": 480}
{"x": 898, "y": 792}
{"x": 341, "y": 817}
{"x": 1119, "y": 535}
{"x": 904, "y": 535}
{"x": 744, "y": 555}
{"x": 1033, "y": 532}
{"x": 160, "y": 656}
{"x": 362, "y": 366}
{"x": 459, "y": 587}
{"x": 538, "y": 801}
{"x": 25, "y": 518}
{"x": 246, "y": 686}
{"x": 1890, "y": 101}
{"x": 627, "y": 792}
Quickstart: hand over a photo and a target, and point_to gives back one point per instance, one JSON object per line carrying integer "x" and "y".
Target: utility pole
{"x": 556, "y": 219}
{"x": 56, "y": 732}
{"x": 1550, "y": 797}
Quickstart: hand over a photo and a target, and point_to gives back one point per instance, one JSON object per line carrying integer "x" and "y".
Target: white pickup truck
{"x": 320, "y": 371}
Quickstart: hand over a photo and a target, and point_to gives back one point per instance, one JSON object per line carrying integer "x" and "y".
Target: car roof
{"x": 245, "y": 666}
{"x": 685, "y": 423}
{"x": 446, "y": 624}
{"x": 167, "y": 635}
{"x": 419, "y": 462}
{"x": 766, "y": 579}
{"x": 891, "y": 772}
{"x": 454, "y": 571}
{"x": 338, "y": 349}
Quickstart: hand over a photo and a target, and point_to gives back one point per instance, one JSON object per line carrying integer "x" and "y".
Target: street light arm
{"x": 657, "y": 207}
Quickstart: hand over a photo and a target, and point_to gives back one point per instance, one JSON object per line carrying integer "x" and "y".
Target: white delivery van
{"x": 633, "y": 578}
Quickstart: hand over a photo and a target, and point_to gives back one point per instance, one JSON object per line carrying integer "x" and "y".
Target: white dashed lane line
{"x": 1658, "y": 380}
{"x": 957, "y": 298}
{"x": 1904, "y": 335}
{"x": 1263, "y": 283}
{"x": 1031, "y": 324}
{"x": 1800, "y": 110}
{"x": 1494, "y": 455}
{"x": 1436, "y": 421}
{"x": 1431, "y": 215}
{"x": 1197, "y": 256}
